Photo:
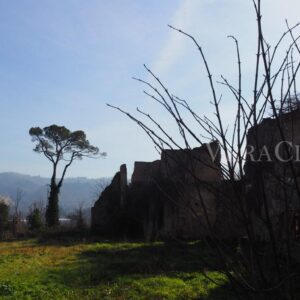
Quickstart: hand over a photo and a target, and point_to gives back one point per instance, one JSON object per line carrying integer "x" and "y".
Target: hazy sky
{"x": 61, "y": 61}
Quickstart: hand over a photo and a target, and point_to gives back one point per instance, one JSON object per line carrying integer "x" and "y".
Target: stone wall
{"x": 270, "y": 181}
{"x": 167, "y": 198}
{"x": 192, "y": 165}
{"x": 123, "y": 185}
{"x": 186, "y": 212}
{"x": 145, "y": 171}
{"x": 107, "y": 211}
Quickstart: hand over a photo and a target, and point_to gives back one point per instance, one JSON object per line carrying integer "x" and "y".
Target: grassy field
{"x": 108, "y": 270}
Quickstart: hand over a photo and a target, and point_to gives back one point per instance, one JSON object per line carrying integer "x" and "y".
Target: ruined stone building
{"x": 166, "y": 198}
{"x": 184, "y": 196}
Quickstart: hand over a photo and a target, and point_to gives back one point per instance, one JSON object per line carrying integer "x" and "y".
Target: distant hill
{"x": 34, "y": 188}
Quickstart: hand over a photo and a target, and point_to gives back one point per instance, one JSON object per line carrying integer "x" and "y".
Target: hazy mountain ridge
{"x": 35, "y": 188}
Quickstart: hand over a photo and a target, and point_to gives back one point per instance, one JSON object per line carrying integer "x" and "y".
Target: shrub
{"x": 34, "y": 219}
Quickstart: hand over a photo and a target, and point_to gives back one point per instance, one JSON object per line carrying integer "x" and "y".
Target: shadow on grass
{"x": 109, "y": 263}
{"x": 150, "y": 259}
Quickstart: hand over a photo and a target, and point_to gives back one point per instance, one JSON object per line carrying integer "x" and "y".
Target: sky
{"x": 62, "y": 61}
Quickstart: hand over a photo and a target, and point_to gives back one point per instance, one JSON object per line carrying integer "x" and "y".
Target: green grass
{"x": 29, "y": 270}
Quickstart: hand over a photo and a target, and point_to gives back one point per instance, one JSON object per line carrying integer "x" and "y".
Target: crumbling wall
{"x": 268, "y": 170}
{"x": 189, "y": 211}
{"x": 191, "y": 208}
{"x": 192, "y": 165}
{"x": 146, "y": 206}
{"x": 146, "y": 171}
{"x": 167, "y": 198}
{"x": 107, "y": 211}
{"x": 123, "y": 185}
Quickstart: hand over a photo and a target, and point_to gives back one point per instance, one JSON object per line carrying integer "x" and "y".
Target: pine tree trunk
{"x": 52, "y": 211}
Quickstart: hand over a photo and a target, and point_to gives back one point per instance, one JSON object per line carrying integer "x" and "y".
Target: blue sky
{"x": 61, "y": 61}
